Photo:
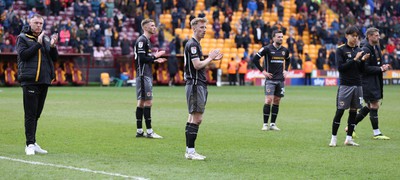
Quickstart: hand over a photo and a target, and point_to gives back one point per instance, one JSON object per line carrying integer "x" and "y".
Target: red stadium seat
{"x": 77, "y": 77}
{"x": 60, "y": 77}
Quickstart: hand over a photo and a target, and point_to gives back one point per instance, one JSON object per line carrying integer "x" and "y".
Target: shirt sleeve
{"x": 343, "y": 64}
{"x": 140, "y": 47}
{"x": 287, "y": 60}
{"x": 194, "y": 52}
{"x": 257, "y": 57}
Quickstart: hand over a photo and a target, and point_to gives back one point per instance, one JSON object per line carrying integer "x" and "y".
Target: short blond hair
{"x": 146, "y": 21}
{"x": 195, "y": 21}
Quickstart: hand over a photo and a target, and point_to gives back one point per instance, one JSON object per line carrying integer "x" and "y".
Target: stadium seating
{"x": 9, "y": 77}
{"x": 60, "y": 77}
{"x": 105, "y": 79}
{"x": 162, "y": 76}
{"x": 77, "y": 77}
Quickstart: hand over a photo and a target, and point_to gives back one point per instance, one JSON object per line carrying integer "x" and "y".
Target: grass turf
{"x": 94, "y": 128}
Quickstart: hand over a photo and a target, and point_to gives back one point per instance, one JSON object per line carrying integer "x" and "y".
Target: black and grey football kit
{"x": 196, "y": 82}
{"x": 350, "y": 71}
{"x": 276, "y": 59}
{"x": 143, "y": 63}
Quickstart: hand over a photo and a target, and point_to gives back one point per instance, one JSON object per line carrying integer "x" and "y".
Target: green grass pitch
{"x": 94, "y": 128}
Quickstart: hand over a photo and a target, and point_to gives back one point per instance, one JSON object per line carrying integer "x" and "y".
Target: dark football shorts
{"x": 196, "y": 97}
{"x": 276, "y": 88}
{"x": 144, "y": 88}
{"x": 349, "y": 97}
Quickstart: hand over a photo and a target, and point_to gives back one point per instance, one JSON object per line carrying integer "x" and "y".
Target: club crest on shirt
{"x": 47, "y": 39}
{"x": 193, "y": 50}
{"x": 341, "y": 103}
{"x": 140, "y": 44}
{"x": 348, "y": 55}
{"x": 283, "y": 53}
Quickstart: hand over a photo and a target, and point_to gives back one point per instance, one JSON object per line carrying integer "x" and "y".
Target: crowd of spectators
{"x": 116, "y": 23}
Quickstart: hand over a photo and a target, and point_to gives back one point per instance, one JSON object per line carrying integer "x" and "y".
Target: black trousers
{"x": 307, "y": 79}
{"x": 232, "y": 79}
{"x": 241, "y": 79}
{"x": 34, "y": 98}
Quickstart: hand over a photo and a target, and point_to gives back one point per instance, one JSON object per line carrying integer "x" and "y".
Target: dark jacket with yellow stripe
{"x": 35, "y": 61}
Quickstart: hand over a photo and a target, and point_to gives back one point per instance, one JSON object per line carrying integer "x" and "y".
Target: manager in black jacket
{"x": 36, "y": 53}
{"x": 372, "y": 81}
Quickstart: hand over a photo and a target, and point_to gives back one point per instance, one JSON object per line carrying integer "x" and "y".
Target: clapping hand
{"x": 54, "y": 40}
{"x": 159, "y": 54}
{"x": 40, "y": 38}
{"x": 215, "y": 54}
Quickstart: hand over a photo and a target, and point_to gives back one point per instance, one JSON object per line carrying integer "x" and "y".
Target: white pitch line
{"x": 73, "y": 168}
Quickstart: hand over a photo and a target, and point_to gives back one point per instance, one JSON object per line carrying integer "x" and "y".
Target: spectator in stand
{"x": 175, "y": 19}
{"x": 7, "y": 47}
{"x": 321, "y": 61}
{"x": 65, "y": 35}
{"x": 252, "y": 7}
{"x": 390, "y": 47}
{"x": 185, "y": 41}
{"x": 217, "y": 28}
{"x": 300, "y": 45}
{"x": 396, "y": 62}
{"x": 387, "y": 59}
{"x": 125, "y": 45}
{"x": 85, "y": 9}
{"x": 191, "y": 17}
{"x": 303, "y": 10}
{"x": 323, "y": 51}
{"x": 292, "y": 21}
{"x": 265, "y": 39}
{"x": 301, "y": 25}
{"x": 77, "y": 9}
{"x": 97, "y": 37}
{"x": 290, "y": 42}
{"x": 260, "y": 7}
{"x": 201, "y": 14}
{"x": 177, "y": 44}
{"x": 397, "y": 50}
{"x": 139, "y": 18}
{"x": 110, "y": 9}
{"x": 280, "y": 10}
{"x": 172, "y": 46}
{"x": 119, "y": 20}
{"x": 246, "y": 40}
{"x": 244, "y": 23}
{"x": 55, "y": 7}
{"x": 215, "y": 14}
{"x": 150, "y": 7}
{"x": 295, "y": 61}
{"x": 98, "y": 56}
{"x": 270, "y": 3}
{"x": 158, "y": 10}
{"x": 107, "y": 37}
{"x": 183, "y": 18}
{"x": 226, "y": 28}
{"x": 172, "y": 68}
{"x": 95, "y": 7}
{"x": 332, "y": 60}
{"x": 10, "y": 37}
{"x": 161, "y": 36}
{"x": 257, "y": 34}
{"x": 115, "y": 37}
{"x": 76, "y": 44}
{"x": 82, "y": 33}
